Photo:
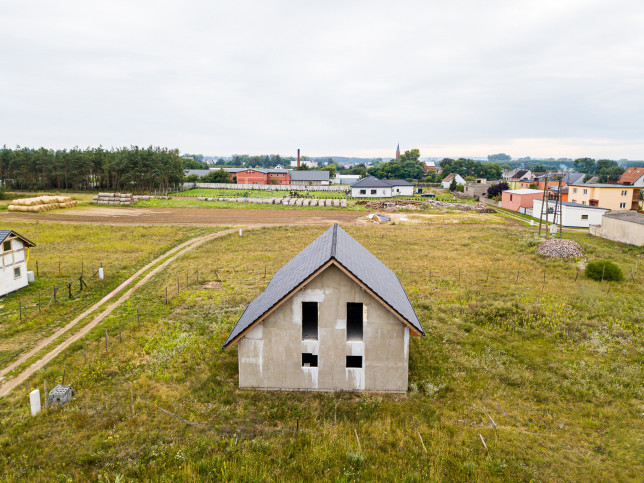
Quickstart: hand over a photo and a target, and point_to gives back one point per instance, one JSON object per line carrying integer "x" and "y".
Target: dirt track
{"x": 189, "y": 216}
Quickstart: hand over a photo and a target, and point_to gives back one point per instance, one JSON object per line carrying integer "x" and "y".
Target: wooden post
{"x": 264, "y": 272}
{"x": 138, "y": 320}
{"x": 85, "y": 352}
{"x": 20, "y": 309}
{"x": 107, "y": 347}
{"x": 58, "y": 267}
{"x": 37, "y": 268}
{"x": 186, "y": 279}
{"x": 120, "y": 338}
{"x": 177, "y": 284}
{"x": 46, "y": 397}
{"x": 603, "y": 271}
{"x": 132, "y": 397}
{"x": 197, "y": 275}
{"x": 166, "y": 295}
{"x": 82, "y": 267}
{"x": 38, "y": 301}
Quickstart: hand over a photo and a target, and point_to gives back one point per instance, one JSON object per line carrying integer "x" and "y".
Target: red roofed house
{"x": 633, "y": 176}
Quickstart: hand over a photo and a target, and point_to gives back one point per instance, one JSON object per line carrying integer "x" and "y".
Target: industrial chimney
{"x": 298, "y": 157}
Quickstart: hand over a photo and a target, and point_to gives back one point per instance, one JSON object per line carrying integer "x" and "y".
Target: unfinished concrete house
{"x": 333, "y": 318}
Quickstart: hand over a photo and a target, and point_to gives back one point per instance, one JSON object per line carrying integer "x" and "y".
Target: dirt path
{"x": 189, "y": 216}
{"x": 20, "y": 378}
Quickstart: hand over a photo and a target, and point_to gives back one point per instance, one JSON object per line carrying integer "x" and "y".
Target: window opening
{"x": 6, "y": 246}
{"x": 354, "y": 321}
{"x": 16, "y": 272}
{"x": 309, "y": 360}
{"x": 309, "y": 320}
{"x": 584, "y": 217}
{"x": 354, "y": 361}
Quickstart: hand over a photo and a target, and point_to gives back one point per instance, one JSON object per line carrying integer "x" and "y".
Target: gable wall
{"x": 8, "y": 262}
{"x": 270, "y": 354}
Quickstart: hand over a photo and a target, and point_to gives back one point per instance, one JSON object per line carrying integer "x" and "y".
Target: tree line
{"x": 121, "y": 169}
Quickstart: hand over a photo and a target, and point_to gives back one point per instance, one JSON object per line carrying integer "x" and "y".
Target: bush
{"x": 604, "y": 270}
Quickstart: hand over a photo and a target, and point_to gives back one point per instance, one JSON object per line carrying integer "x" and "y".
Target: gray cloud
{"x": 533, "y": 77}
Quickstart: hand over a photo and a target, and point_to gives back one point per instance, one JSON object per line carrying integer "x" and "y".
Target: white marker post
{"x": 100, "y": 273}
{"x": 34, "y": 399}
{"x": 240, "y": 232}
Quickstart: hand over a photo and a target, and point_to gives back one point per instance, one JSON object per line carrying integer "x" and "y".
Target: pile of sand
{"x": 41, "y": 203}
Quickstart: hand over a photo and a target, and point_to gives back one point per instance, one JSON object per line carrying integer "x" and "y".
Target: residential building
{"x": 372, "y": 187}
{"x": 633, "y": 176}
{"x": 347, "y": 179}
{"x": 625, "y": 227}
{"x": 569, "y": 214}
{"x": 334, "y": 318}
{"x": 615, "y": 197}
{"x": 447, "y": 180}
{"x": 14, "y": 255}
{"x": 519, "y": 200}
{"x": 429, "y": 166}
{"x": 477, "y": 188}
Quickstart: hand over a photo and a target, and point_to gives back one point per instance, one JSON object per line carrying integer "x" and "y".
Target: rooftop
{"x": 338, "y": 246}
{"x": 4, "y": 234}
{"x": 630, "y": 216}
{"x": 525, "y": 191}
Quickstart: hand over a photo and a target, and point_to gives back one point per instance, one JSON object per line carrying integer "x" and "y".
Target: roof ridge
{"x": 334, "y": 239}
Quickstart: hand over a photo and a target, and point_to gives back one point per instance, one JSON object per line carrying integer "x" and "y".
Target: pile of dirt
{"x": 395, "y": 205}
{"x": 41, "y": 203}
{"x": 560, "y": 248}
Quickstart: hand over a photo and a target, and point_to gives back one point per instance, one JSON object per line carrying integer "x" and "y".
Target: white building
{"x": 372, "y": 187}
{"x": 572, "y": 214}
{"x": 334, "y": 318}
{"x": 347, "y": 179}
{"x": 310, "y": 164}
{"x": 447, "y": 181}
{"x": 14, "y": 254}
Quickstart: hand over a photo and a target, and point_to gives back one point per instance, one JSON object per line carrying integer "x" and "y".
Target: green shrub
{"x": 604, "y": 270}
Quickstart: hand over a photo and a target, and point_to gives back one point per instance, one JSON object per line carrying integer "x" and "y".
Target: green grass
{"x": 61, "y": 252}
{"x": 556, "y": 365}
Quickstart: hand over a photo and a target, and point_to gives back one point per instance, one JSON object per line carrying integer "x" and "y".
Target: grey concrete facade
{"x": 270, "y": 353}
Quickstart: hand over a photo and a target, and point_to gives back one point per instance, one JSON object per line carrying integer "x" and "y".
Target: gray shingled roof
{"x": 4, "y": 234}
{"x": 336, "y": 244}
{"x": 370, "y": 182}
{"x": 304, "y": 175}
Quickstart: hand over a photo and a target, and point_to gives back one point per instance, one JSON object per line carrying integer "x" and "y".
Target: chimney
{"x": 298, "y": 157}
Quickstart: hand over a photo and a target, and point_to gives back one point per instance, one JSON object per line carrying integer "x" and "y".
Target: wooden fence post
{"x": 107, "y": 347}
{"x": 120, "y": 338}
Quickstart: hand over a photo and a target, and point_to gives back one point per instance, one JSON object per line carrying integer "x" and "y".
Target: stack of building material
{"x": 114, "y": 199}
{"x": 41, "y": 203}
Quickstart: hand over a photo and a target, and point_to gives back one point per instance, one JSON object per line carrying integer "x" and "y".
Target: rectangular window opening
{"x": 354, "y": 361}
{"x": 309, "y": 360}
{"x": 373, "y": 192}
{"x": 16, "y": 272}
{"x": 309, "y": 320}
{"x": 354, "y": 321}
{"x": 6, "y": 246}
{"x": 584, "y": 217}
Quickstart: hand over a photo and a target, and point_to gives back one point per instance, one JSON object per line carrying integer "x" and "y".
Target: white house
{"x": 447, "y": 181}
{"x": 347, "y": 179}
{"x": 372, "y": 187}
{"x": 14, "y": 254}
{"x": 334, "y": 318}
{"x": 572, "y": 214}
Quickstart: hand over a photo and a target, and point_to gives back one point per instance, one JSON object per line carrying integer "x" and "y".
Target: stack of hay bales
{"x": 41, "y": 203}
{"x": 114, "y": 199}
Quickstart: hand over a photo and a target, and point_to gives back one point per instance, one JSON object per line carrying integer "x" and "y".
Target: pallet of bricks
{"x": 41, "y": 203}
{"x": 114, "y": 199}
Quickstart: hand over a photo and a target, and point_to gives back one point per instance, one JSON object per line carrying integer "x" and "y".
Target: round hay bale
{"x": 560, "y": 248}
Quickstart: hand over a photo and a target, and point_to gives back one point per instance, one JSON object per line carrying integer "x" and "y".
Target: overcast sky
{"x": 458, "y": 78}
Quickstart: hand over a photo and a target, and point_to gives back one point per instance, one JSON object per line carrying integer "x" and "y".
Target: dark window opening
{"x": 373, "y": 192}
{"x": 354, "y": 361}
{"x": 309, "y": 320}
{"x": 354, "y": 321}
{"x": 584, "y": 217}
{"x": 309, "y": 360}
{"x": 7, "y": 246}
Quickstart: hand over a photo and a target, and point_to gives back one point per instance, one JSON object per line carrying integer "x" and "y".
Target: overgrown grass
{"x": 557, "y": 365}
{"x": 62, "y": 252}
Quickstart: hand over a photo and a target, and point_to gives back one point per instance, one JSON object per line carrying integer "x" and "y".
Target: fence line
{"x": 265, "y": 187}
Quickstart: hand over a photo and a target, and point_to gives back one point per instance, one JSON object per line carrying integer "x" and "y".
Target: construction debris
{"x": 41, "y": 203}
{"x": 560, "y": 248}
{"x": 396, "y": 205}
{"x": 378, "y": 218}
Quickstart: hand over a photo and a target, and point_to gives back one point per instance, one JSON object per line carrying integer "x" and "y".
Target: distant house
{"x": 519, "y": 200}
{"x": 309, "y": 178}
{"x": 625, "y": 227}
{"x": 633, "y": 176}
{"x": 372, "y": 187}
{"x": 476, "y": 188}
{"x": 447, "y": 181}
{"x": 263, "y": 176}
{"x": 429, "y": 166}
{"x": 14, "y": 255}
{"x": 617, "y": 197}
{"x": 569, "y": 214}
{"x": 518, "y": 176}
{"x": 334, "y": 318}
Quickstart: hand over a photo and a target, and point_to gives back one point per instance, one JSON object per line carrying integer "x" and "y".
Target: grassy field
{"x": 61, "y": 252}
{"x": 554, "y": 359}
